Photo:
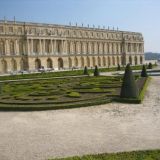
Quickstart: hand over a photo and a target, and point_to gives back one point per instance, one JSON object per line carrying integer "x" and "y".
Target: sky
{"x": 128, "y": 15}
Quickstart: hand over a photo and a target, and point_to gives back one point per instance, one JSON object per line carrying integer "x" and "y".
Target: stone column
{"x": 5, "y": 47}
{"x": 44, "y": 46}
{"x": 65, "y": 47}
{"x": 51, "y": 46}
{"x": 131, "y": 47}
{"x": 55, "y": 46}
{"x": 143, "y": 48}
{"x": 62, "y": 46}
{"x": 137, "y": 48}
{"x": 40, "y": 46}
{"x": 31, "y": 46}
{"x": 16, "y": 47}
{"x": 27, "y": 47}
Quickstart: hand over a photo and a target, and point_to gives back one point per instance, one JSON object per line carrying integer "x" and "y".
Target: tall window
{"x": 35, "y": 46}
{"x": 2, "y": 48}
{"x": 21, "y": 48}
{"x": 12, "y": 48}
{"x": 47, "y": 46}
{"x": 1, "y": 29}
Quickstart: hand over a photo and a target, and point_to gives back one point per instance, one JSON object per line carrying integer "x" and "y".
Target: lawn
{"x": 59, "y": 93}
{"x": 137, "y": 155}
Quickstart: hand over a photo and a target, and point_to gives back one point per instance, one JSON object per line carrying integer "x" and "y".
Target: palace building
{"x": 31, "y": 46}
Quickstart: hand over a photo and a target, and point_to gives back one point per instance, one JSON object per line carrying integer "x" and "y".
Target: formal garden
{"x": 69, "y": 92}
{"x": 59, "y": 93}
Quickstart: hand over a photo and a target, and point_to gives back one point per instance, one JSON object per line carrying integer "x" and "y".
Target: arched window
{"x": 88, "y": 62}
{"x": 49, "y": 63}
{"x": 141, "y": 60}
{"x": 130, "y": 60}
{"x": 82, "y": 61}
{"x": 76, "y": 62}
{"x": 23, "y": 64}
{"x": 99, "y": 61}
{"x": 4, "y": 66}
{"x": 109, "y": 61}
{"x": 70, "y": 62}
{"x": 60, "y": 63}
{"x": 104, "y": 61}
{"x": 94, "y": 61}
{"x": 37, "y": 64}
{"x": 118, "y": 61}
{"x": 113, "y": 61}
{"x": 135, "y": 59}
{"x": 13, "y": 65}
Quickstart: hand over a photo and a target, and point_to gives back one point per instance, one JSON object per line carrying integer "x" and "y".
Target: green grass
{"x": 57, "y": 93}
{"x": 142, "y": 94}
{"x": 73, "y": 94}
{"x": 135, "y": 155}
{"x": 61, "y": 73}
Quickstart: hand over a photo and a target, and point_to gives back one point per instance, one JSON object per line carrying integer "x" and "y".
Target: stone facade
{"x": 30, "y": 46}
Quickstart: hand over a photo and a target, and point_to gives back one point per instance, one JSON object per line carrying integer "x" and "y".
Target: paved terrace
{"x": 106, "y": 128}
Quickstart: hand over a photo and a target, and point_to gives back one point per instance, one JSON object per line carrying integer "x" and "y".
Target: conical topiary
{"x": 144, "y": 72}
{"x": 96, "y": 72}
{"x": 129, "y": 87}
{"x": 0, "y": 88}
{"x": 85, "y": 71}
{"x": 119, "y": 67}
{"x": 150, "y": 66}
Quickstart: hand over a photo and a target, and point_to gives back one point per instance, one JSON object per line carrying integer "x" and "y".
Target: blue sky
{"x": 131, "y": 15}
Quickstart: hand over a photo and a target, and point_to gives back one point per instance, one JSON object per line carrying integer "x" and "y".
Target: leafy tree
{"x": 129, "y": 87}
{"x": 96, "y": 71}
{"x": 144, "y": 72}
{"x": 119, "y": 67}
{"x": 150, "y": 66}
{"x": 85, "y": 71}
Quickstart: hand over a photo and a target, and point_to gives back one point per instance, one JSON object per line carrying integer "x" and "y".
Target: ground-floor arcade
{"x": 33, "y": 63}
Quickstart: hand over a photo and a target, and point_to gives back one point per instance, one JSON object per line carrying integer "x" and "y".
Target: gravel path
{"x": 106, "y": 128}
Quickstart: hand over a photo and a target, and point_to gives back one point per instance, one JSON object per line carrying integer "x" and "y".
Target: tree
{"x": 144, "y": 72}
{"x": 85, "y": 71}
{"x": 150, "y": 66}
{"x": 129, "y": 87}
{"x": 96, "y": 72}
{"x": 119, "y": 67}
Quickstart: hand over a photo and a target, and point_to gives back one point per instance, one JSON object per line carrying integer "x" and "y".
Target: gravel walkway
{"x": 107, "y": 128}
